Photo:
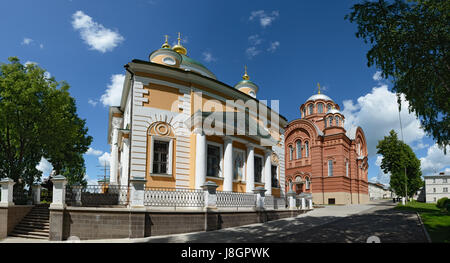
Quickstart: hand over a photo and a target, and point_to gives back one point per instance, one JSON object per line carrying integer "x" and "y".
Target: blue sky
{"x": 288, "y": 47}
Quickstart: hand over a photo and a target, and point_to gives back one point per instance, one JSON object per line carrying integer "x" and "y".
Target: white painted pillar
{"x": 210, "y": 194}
{"x": 268, "y": 173}
{"x": 59, "y": 192}
{"x": 116, "y": 124}
{"x": 137, "y": 191}
{"x": 228, "y": 165}
{"x": 7, "y": 185}
{"x": 260, "y": 196}
{"x": 291, "y": 199}
{"x": 200, "y": 159}
{"x": 36, "y": 192}
{"x": 310, "y": 204}
{"x": 303, "y": 204}
{"x": 250, "y": 179}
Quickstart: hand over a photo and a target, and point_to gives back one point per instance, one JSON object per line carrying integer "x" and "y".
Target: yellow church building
{"x": 178, "y": 126}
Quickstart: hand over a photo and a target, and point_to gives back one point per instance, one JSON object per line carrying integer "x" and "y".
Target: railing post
{"x": 76, "y": 192}
{"x": 303, "y": 200}
{"x": 291, "y": 199}
{"x": 36, "y": 191}
{"x": 7, "y": 185}
{"x": 59, "y": 192}
{"x": 210, "y": 193}
{"x": 137, "y": 191}
{"x": 260, "y": 196}
{"x": 310, "y": 203}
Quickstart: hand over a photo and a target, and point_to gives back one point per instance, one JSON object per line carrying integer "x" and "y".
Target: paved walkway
{"x": 351, "y": 223}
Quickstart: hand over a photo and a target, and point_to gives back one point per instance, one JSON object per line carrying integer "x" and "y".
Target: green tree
{"x": 37, "y": 119}
{"x": 396, "y": 156}
{"x": 410, "y": 44}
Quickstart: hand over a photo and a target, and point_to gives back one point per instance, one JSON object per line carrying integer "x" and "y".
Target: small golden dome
{"x": 178, "y": 47}
{"x": 245, "y": 77}
{"x": 166, "y": 43}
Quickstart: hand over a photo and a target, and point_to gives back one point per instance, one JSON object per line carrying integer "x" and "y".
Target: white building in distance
{"x": 436, "y": 187}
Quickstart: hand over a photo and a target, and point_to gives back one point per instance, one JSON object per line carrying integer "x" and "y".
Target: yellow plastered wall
{"x": 162, "y": 97}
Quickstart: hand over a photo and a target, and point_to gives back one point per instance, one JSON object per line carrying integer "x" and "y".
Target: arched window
{"x": 306, "y": 149}
{"x": 329, "y": 107}
{"x": 337, "y": 120}
{"x": 307, "y": 183}
{"x": 291, "y": 152}
{"x": 320, "y": 107}
{"x": 311, "y": 108}
{"x": 304, "y": 112}
{"x": 299, "y": 149}
{"x": 330, "y": 121}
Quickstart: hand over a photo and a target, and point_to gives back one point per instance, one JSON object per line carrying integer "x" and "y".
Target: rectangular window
{"x": 434, "y": 189}
{"x": 445, "y": 189}
{"x": 444, "y": 180}
{"x": 238, "y": 165}
{"x": 274, "y": 176}
{"x": 346, "y": 168}
{"x": 330, "y": 167}
{"x": 258, "y": 169}
{"x": 160, "y": 157}
{"x": 213, "y": 161}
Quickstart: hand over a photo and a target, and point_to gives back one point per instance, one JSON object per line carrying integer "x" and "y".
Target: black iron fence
{"x": 46, "y": 196}
{"x": 97, "y": 195}
{"x": 22, "y": 197}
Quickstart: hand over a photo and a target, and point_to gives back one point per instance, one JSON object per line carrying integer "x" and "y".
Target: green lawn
{"x": 436, "y": 222}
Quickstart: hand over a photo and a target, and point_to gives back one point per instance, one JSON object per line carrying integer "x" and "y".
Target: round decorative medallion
{"x": 162, "y": 129}
{"x": 169, "y": 61}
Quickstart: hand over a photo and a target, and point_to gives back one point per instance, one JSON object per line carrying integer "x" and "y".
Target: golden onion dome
{"x": 166, "y": 43}
{"x": 178, "y": 47}
{"x": 245, "y": 77}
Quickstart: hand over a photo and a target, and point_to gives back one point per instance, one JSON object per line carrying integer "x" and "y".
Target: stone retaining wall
{"x": 105, "y": 223}
{"x": 10, "y": 216}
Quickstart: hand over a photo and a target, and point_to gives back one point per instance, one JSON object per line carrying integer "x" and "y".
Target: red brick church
{"x": 324, "y": 159}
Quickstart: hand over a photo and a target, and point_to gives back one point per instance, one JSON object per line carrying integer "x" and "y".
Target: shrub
{"x": 441, "y": 203}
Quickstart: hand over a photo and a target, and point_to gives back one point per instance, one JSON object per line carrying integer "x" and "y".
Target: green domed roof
{"x": 194, "y": 64}
{"x": 245, "y": 81}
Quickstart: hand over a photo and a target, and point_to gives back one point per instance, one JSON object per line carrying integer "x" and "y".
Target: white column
{"x": 116, "y": 123}
{"x": 200, "y": 159}
{"x": 310, "y": 204}
{"x": 7, "y": 185}
{"x": 291, "y": 200}
{"x": 228, "y": 165}
{"x": 268, "y": 173}
{"x": 125, "y": 162}
{"x": 59, "y": 192}
{"x": 303, "y": 204}
{"x": 260, "y": 196}
{"x": 250, "y": 178}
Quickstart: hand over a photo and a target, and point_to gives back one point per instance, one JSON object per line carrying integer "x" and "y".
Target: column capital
{"x": 228, "y": 139}
{"x": 259, "y": 190}
{"x": 250, "y": 146}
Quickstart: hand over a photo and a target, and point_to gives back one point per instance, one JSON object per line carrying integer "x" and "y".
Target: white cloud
{"x": 113, "y": 92}
{"x": 377, "y": 76}
{"x": 41, "y": 46}
{"x": 104, "y": 159}
{"x": 435, "y": 161}
{"x": 273, "y": 46}
{"x": 377, "y": 113}
{"x": 264, "y": 19}
{"x": 27, "y": 41}
{"x": 94, "y": 34}
{"x": 255, "y": 40}
{"x": 44, "y": 166}
{"x": 92, "y": 151}
{"x": 381, "y": 177}
{"x": 92, "y": 102}
{"x": 47, "y": 75}
{"x": 208, "y": 56}
{"x": 252, "y": 52}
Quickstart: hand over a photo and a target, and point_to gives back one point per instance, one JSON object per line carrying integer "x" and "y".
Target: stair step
{"x": 35, "y": 221}
{"x": 32, "y": 228}
{"x": 29, "y": 236}
{"x": 36, "y": 217}
{"x": 34, "y": 233}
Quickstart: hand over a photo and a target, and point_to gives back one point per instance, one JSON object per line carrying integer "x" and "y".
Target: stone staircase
{"x": 35, "y": 224}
